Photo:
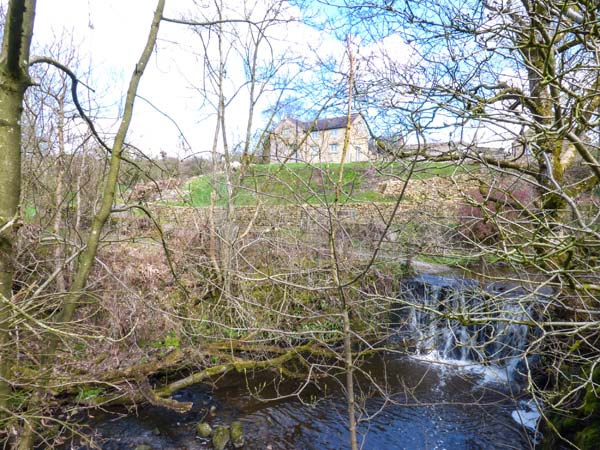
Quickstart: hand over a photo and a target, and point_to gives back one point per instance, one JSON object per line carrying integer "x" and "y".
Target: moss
{"x": 582, "y": 426}
{"x": 588, "y": 438}
{"x": 358, "y": 325}
{"x": 89, "y": 393}
{"x": 204, "y": 429}
{"x": 570, "y": 424}
{"x": 237, "y": 434}
{"x": 596, "y": 375}
{"x": 591, "y": 403}
{"x": 565, "y": 424}
{"x": 220, "y": 437}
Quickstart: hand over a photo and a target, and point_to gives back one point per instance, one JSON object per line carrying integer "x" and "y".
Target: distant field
{"x": 276, "y": 184}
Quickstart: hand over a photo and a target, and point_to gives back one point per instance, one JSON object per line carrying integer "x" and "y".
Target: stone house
{"x": 320, "y": 140}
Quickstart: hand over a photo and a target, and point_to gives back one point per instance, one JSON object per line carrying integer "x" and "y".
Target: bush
{"x": 496, "y": 211}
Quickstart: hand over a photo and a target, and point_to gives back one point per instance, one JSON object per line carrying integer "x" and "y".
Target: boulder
{"x": 237, "y": 434}
{"x": 220, "y": 437}
{"x": 204, "y": 430}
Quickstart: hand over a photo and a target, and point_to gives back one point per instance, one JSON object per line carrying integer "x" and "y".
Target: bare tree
{"x": 17, "y": 38}
{"x": 239, "y": 70}
{"x": 510, "y": 86}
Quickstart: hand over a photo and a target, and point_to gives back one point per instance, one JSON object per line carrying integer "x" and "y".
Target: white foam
{"x": 493, "y": 375}
{"x": 527, "y": 415}
{"x": 487, "y": 374}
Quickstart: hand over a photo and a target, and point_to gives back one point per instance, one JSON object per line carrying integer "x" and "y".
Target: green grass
{"x": 170, "y": 340}
{"x": 89, "y": 393}
{"x": 453, "y": 261}
{"x": 277, "y": 184}
{"x": 29, "y": 212}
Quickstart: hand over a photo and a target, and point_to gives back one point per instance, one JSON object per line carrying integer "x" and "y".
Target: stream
{"x": 448, "y": 397}
{"x": 428, "y": 406}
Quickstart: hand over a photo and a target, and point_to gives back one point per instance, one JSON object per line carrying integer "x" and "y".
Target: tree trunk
{"x": 336, "y": 271}
{"x": 13, "y": 83}
{"x": 86, "y": 259}
{"x": 60, "y": 190}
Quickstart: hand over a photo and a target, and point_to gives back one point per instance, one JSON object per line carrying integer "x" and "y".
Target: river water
{"x": 418, "y": 405}
{"x": 406, "y": 402}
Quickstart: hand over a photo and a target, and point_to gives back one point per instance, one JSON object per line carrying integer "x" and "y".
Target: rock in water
{"x": 204, "y": 430}
{"x": 237, "y": 435}
{"x": 220, "y": 437}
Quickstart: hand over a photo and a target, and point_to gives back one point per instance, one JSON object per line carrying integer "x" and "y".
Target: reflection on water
{"x": 425, "y": 406}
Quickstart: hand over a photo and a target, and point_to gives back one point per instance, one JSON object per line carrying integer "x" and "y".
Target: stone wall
{"x": 431, "y": 190}
{"x": 303, "y": 216}
{"x": 428, "y": 206}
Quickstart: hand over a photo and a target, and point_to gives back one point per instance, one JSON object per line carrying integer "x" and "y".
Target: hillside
{"x": 313, "y": 184}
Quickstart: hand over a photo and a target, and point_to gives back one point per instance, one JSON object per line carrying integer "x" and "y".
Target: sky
{"x": 110, "y": 35}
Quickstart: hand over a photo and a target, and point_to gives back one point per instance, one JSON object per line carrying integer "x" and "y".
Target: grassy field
{"x": 276, "y": 184}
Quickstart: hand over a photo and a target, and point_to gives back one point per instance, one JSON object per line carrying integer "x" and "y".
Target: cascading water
{"x": 461, "y": 321}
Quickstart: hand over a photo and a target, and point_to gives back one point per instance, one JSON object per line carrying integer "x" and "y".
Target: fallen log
{"x": 139, "y": 390}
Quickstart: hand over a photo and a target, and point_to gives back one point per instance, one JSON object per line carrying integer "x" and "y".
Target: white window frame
{"x": 315, "y": 134}
{"x": 333, "y": 149}
{"x": 314, "y": 150}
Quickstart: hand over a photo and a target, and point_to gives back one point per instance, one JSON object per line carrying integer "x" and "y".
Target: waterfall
{"x": 453, "y": 319}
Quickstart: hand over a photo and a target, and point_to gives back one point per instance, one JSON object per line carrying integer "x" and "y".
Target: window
{"x": 286, "y": 133}
{"x": 334, "y": 132}
{"x": 314, "y": 150}
{"x": 357, "y": 151}
{"x": 315, "y": 134}
{"x": 333, "y": 148}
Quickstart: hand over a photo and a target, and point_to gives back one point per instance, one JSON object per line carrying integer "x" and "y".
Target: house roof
{"x": 329, "y": 123}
